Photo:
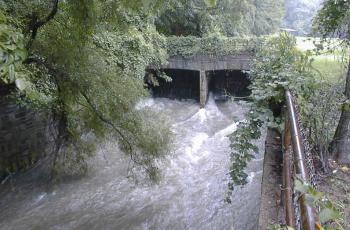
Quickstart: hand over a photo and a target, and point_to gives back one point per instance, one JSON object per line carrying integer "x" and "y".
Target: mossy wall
{"x": 211, "y": 45}
{"x": 23, "y": 136}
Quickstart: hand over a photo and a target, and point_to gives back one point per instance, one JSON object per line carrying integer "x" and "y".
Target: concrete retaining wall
{"x": 23, "y": 138}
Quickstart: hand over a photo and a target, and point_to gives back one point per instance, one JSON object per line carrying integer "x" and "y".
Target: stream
{"x": 189, "y": 195}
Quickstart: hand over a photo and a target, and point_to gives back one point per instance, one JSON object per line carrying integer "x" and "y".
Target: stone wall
{"x": 23, "y": 138}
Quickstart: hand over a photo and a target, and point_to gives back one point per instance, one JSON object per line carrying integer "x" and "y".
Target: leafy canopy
{"x": 229, "y": 17}
{"x": 83, "y": 62}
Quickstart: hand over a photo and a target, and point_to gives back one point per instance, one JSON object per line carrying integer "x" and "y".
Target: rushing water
{"x": 190, "y": 194}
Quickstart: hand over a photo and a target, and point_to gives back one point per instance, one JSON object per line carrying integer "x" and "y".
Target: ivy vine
{"x": 212, "y": 44}
{"x": 278, "y": 65}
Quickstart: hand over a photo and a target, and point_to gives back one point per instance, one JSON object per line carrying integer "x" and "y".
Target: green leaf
{"x": 21, "y": 54}
{"x": 300, "y": 186}
{"x": 10, "y": 47}
{"x": 210, "y": 3}
{"x": 315, "y": 194}
{"x": 11, "y": 73}
{"x": 309, "y": 199}
{"x": 328, "y": 214}
{"x": 2, "y": 18}
{"x": 9, "y": 59}
{"x": 21, "y": 84}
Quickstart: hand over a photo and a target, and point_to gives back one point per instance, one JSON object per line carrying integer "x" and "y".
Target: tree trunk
{"x": 341, "y": 140}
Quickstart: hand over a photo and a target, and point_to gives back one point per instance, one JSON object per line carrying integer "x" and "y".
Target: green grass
{"x": 329, "y": 69}
{"x": 329, "y": 65}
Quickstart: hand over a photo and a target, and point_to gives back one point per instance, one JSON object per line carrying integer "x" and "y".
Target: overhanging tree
{"x": 84, "y": 62}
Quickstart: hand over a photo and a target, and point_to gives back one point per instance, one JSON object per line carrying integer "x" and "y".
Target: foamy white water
{"x": 190, "y": 194}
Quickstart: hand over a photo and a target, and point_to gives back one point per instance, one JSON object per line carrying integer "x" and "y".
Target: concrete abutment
{"x": 203, "y": 88}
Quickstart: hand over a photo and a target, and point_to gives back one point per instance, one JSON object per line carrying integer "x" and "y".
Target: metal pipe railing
{"x": 292, "y": 133}
{"x": 287, "y": 177}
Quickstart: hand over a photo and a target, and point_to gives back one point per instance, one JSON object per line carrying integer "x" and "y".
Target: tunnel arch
{"x": 184, "y": 84}
{"x": 224, "y": 83}
{"x": 192, "y": 84}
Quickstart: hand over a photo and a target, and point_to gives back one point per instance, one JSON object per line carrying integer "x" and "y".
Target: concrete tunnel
{"x": 191, "y": 84}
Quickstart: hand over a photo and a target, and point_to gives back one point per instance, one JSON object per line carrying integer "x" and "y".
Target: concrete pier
{"x": 203, "y": 88}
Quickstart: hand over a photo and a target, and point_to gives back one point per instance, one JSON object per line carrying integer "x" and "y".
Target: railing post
{"x": 287, "y": 183}
{"x": 307, "y": 212}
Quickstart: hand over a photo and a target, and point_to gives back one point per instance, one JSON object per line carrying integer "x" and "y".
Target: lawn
{"x": 329, "y": 65}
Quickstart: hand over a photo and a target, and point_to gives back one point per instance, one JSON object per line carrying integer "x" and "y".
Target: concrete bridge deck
{"x": 240, "y": 61}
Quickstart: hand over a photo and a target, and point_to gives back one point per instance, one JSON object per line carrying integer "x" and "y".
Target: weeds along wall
{"x": 211, "y": 45}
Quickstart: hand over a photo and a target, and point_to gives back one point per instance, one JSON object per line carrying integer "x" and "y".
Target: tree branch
{"x": 115, "y": 128}
{"x": 54, "y": 71}
{"x": 50, "y": 16}
{"x": 35, "y": 24}
{"x": 59, "y": 142}
{"x": 103, "y": 119}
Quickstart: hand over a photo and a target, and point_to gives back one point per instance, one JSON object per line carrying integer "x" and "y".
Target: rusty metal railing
{"x": 294, "y": 165}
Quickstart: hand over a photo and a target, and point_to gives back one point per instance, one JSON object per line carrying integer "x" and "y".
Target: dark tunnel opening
{"x": 184, "y": 84}
{"x": 225, "y": 83}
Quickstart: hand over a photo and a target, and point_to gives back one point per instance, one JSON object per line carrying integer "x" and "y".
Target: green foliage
{"x": 333, "y": 19}
{"x": 12, "y": 54}
{"x": 242, "y": 147}
{"x": 329, "y": 69}
{"x": 278, "y": 65}
{"x": 133, "y": 51}
{"x": 85, "y": 67}
{"x": 229, "y": 17}
{"x": 327, "y": 210}
{"x": 198, "y": 17}
{"x": 325, "y": 106}
{"x": 268, "y": 16}
{"x": 214, "y": 44}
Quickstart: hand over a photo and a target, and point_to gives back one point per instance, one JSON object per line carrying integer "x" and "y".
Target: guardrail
{"x": 294, "y": 165}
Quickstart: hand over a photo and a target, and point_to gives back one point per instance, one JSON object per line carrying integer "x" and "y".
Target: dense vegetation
{"x": 300, "y": 14}
{"x": 229, "y": 17}
{"x": 333, "y": 20}
{"x": 83, "y": 62}
{"x": 214, "y": 44}
{"x": 280, "y": 65}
